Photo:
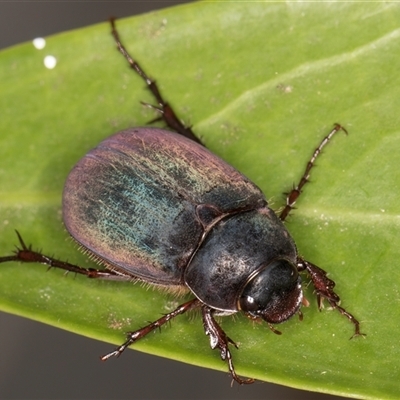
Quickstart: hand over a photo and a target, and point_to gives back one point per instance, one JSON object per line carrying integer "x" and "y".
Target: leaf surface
{"x": 261, "y": 85}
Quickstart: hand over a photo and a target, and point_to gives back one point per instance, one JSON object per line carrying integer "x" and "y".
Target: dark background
{"x": 39, "y": 361}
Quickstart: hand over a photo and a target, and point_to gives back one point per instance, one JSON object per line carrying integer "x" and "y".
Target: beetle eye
{"x": 273, "y": 294}
{"x": 248, "y": 304}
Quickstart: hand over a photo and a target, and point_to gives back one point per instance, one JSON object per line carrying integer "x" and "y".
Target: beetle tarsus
{"x": 131, "y": 338}
{"x": 324, "y": 290}
{"x": 134, "y": 336}
{"x": 219, "y": 339}
{"x": 351, "y": 318}
{"x": 167, "y": 113}
{"x": 25, "y": 254}
{"x": 294, "y": 194}
{"x": 115, "y": 353}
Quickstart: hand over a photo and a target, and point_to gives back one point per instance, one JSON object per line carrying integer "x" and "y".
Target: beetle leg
{"x": 295, "y": 193}
{"x": 324, "y": 290}
{"x": 166, "y": 112}
{"x": 218, "y": 338}
{"x": 25, "y": 254}
{"x": 132, "y": 337}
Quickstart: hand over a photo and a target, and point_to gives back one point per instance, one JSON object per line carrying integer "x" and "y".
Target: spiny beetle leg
{"x": 324, "y": 290}
{"x": 25, "y": 254}
{"x": 218, "y": 339}
{"x": 295, "y": 193}
{"x": 167, "y": 113}
{"x": 132, "y": 337}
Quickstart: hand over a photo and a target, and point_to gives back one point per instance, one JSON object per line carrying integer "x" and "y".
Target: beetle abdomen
{"x": 132, "y": 201}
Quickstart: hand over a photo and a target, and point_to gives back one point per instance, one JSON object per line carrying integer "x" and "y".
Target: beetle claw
{"x": 115, "y": 353}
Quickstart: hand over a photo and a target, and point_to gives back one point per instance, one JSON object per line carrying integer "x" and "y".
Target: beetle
{"x": 156, "y": 206}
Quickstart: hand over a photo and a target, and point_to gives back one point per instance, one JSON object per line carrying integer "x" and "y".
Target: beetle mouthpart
{"x": 274, "y": 330}
{"x": 305, "y": 302}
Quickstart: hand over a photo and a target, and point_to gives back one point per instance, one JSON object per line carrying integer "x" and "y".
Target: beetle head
{"x": 273, "y": 292}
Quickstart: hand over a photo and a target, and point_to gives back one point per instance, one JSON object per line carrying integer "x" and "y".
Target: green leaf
{"x": 261, "y": 84}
